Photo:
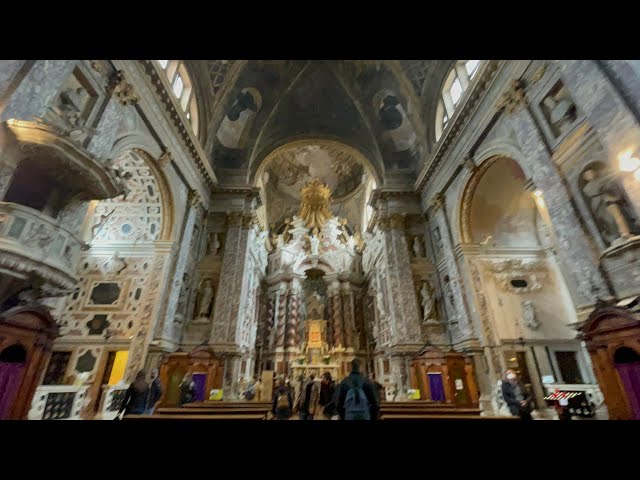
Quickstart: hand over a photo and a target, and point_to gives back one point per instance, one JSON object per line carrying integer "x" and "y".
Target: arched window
{"x": 455, "y": 86}
{"x": 182, "y": 89}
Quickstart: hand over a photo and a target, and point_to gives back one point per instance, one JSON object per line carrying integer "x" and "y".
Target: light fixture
{"x": 538, "y": 193}
{"x": 628, "y": 162}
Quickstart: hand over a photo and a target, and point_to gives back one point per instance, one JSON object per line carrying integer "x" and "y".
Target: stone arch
{"x": 149, "y": 201}
{"x": 474, "y": 182}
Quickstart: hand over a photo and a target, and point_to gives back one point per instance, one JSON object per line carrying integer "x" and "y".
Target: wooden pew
{"x": 212, "y": 411}
{"x": 213, "y": 404}
{"x": 416, "y": 416}
{"x": 425, "y": 410}
{"x": 215, "y": 416}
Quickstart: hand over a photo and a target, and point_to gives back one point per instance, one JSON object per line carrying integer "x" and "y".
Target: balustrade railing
{"x": 58, "y": 402}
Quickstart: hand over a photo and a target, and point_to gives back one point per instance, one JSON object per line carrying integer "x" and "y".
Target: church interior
{"x": 442, "y": 221}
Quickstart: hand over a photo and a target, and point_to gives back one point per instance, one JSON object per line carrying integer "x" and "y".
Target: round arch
{"x": 471, "y": 182}
{"x": 258, "y": 167}
{"x": 133, "y": 145}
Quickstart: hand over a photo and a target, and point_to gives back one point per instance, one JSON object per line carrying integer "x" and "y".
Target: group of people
{"x": 355, "y": 398}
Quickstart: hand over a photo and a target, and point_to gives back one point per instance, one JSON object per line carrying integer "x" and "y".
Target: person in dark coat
{"x": 135, "y": 399}
{"x": 155, "y": 392}
{"x": 187, "y": 388}
{"x": 356, "y": 378}
{"x": 516, "y": 396}
{"x": 282, "y": 401}
{"x": 327, "y": 396}
{"x": 379, "y": 387}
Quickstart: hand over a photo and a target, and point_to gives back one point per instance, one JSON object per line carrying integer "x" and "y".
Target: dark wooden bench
{"x": 421, "y": 416}
{"x": 213, "y": 404}
{"x": 214, "y": 416}
{"x": 212, "y": 411}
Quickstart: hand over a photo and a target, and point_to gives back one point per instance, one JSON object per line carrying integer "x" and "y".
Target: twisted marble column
{"x": 269, "y": 320}
{"x": 358, "y": 309}
{"x": 292, "y": 320}
{"x": 338, "y": 333}
{"x": 282, "y": 317}
{"x": 330, "y": 323}
{"x": 347, "y": 308}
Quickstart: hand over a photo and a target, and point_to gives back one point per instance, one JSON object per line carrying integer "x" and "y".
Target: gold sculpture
{"x": 314, "y": 206}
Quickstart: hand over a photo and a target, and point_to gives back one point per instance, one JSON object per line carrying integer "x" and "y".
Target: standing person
{"x": 155, "y": 392}
{"x": 378, "y": 385}
{"x": 356, "y": 397}
{"x": 136, "y": 397}
{"x": 282, "y": 401}
{"x": 516, "y": 396}
{"x": 307, "y": 402}
{"x": 327, "y": 400}
{"x": 187, "y": 387}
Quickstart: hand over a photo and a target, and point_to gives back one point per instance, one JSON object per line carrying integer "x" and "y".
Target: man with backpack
{"x": 356, "y": 398}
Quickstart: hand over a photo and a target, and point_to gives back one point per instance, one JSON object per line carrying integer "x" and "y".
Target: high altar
{"x": 316, "y": 355}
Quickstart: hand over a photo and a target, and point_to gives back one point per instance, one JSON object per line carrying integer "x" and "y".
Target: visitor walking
{"x": 356, "y": 398}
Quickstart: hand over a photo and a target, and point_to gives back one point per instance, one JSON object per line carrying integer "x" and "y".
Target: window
{"x": 456, "y": 84}
{"x": 178, "y": 86}
{"x": 472, "y": 67}
{"x": 456, "y": 91}
{"x": 182, "y": 88}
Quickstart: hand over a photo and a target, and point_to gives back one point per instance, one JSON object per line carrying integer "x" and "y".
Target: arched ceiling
{"x": 375, "y": 106}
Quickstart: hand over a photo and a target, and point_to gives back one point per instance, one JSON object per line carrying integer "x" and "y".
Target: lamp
{"x": 629, "y": 163}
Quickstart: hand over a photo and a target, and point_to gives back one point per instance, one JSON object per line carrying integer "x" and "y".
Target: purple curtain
{"x": 200, "y": 381}
{"x": 10, "y": 376}
{"x": 630, "y": 376}
{"x": 436, "y": 387}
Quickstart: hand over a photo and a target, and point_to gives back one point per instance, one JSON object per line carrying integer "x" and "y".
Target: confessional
{"x": 446, "y": 378}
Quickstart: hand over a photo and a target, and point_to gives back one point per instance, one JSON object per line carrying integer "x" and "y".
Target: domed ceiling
{"x": 294, "y": 166}
{"x": 287, "y": 169}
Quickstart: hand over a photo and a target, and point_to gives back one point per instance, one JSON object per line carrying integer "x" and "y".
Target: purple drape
{"x": 199, "y": 381}
{"x": 10, "y": 376}
{"x": 436, "y": 387}
{"x": 630, "y": 376}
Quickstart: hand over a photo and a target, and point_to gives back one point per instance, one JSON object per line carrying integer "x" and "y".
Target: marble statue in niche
{"x": 213, "y": 245}
{"x": 205, "y": 299}
{"x": 418, "y": 248}
{"x": 427, "y": 301}
{"x": 559, "y": 110}
{"x": 529, "y": 315}
{"x": 606, "y": 202}
{"x": 450, "y": 298}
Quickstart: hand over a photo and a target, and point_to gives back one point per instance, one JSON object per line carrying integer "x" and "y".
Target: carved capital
{"x": 123, "y": 90}
{"x": 165, "y": 158}
{"x": 469, "y": 164}
{"x": 437, "y": 201}
{"x": 512, "y": 100}
{"x": 241, "y": 219}
{"x": 392, "y": 222}
{"x": 194, "y": 198}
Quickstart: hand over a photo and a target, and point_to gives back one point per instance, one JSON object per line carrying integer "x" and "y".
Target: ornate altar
{"x": 316, "y": 355}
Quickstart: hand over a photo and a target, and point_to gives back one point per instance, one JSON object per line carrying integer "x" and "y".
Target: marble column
{"x": 401, "y": 294}
{"x": 338, "y": 329}
{"x": 293, "y": 318}
{"x": 347, "y": 308}
{"x": 453, "y": 298}
{"x": 330, "y": 335}
{"x": 166, "y": 329}
{"x": 579, "y": 254}
{"x": 608, "y": 113}
{"x": 231, "y": 284}
{"x": 281, "y": 319}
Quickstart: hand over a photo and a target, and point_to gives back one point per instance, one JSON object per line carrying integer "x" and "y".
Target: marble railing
{"x": 32, "y": 241}
{"x": 112, "y": 397}
{"x": 58, "y": 402}
{"x": 592, "y": 391}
